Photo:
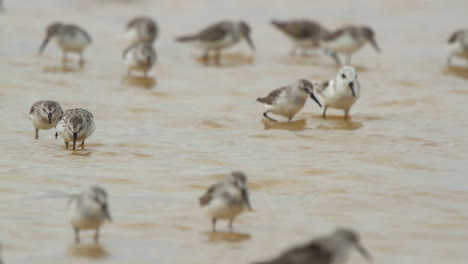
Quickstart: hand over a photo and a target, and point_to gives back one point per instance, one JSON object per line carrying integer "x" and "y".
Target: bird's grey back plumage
{"x": 215, "y": 32}
{"x": 301, "y": 29}
{"x": 270, "y": 99}
{"x": 72, "y": 29}
{"x": 310, "y": 253}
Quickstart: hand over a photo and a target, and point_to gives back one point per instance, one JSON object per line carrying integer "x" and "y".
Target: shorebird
{"x": 332, "y": 249}
{"x": 288, "y": 100}
{"x": 219, "y": 36}
{"x": 140, "y": 56}
{"x": 304, "y": 34}
{"x": 458, "y": 45}
{"x": 342, "y": 92}
{"x": 142, "y": 29}
{"x": 348, "y": 40}
{"x": 70, "y": 38}
{"x": 77, "y": 124}
{"x": 227, "y": 199}
{"x": 1, "y": 261}
{"x": 45, "y": 115}
{"x": 88, "y": 211}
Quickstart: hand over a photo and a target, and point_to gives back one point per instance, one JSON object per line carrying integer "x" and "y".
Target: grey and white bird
{"x": 139, "y": 57}
{"x": 227, "y": 199}
{"x": 1, "y": 260}
{"x": 304, "y": 34}
{"x": 219, "y": 36}
{"x": 348, "y": 40}
{"x": 76, "y": 125}
{"x": 342, "y": 92}
{"x": 70, "y": 38}
{"x": 332, "y": 249}
{"x": 141, "y": 29}
{"x": 287, "y": 101}
{"x": 458, "y": 45}
{"x": 88, "y": 211}
{"x": 45, "y": 115}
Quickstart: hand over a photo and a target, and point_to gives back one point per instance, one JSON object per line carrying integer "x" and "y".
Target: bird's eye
{"x": 343, "y": 76}
{"x": 96, "y": 199}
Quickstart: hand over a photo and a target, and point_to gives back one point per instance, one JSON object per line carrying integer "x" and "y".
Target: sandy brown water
{"x": 396, "y": 171}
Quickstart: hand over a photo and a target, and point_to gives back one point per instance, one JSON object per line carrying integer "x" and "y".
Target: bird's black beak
{"x": 56, "y": 134}
{"x": 75, "y": 135}
{"x": 249, "y": 41}
{"x": 374, "y": 44}
{"x": 312, "y": 95}
{"x": 49, "y": 115}
{"x": 351, "y": 86}
{"x": 105, "y": 210}
{"x": 245, "y": 196}
{"x": 364, "y": 252}
{"x": 44, "y": 44}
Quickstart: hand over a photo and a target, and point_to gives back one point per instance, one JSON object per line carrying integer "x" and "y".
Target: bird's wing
{"x": 270, "y": 99}
{"x": 299, "y": 29}
{"x": 124, "y": 53}
{"x": 323, "y": 86}
{"x": 82, "y": 30}
{"x": 31, "y": 111}
{"x": 214, "y": 32}
{"x": 206, "y": 198}
{"x": 454, "y": 36}
{"x": 311, "y": 253}
{"x": 336, "y": 34}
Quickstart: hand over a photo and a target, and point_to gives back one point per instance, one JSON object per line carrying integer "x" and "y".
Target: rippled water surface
{"x": 396, "y": 171}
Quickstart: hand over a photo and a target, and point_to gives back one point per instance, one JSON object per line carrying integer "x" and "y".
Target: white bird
{"x": 77, "y": 124}
{"x": 70, "y": 38}
{"x": 342, "y": 92}
{"x": 45, "y": 115}
{"x": 332, "y": 249}
{"x": 88, "y": 211}
{"x": 458, "y": 45}
{"x": 227, "y": 199}
{"x": 140, "y": 56}
{"x": 288, "y": 100}
{"x": 219, "y": 36}
{"x": 348, "y": 40}
{"x": 142, "y": 29}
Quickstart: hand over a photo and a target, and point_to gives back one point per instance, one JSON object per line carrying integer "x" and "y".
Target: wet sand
{"x": 395, "y": 172}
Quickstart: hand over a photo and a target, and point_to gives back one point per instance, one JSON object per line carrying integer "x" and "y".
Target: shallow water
{"x": 396, "y": 171}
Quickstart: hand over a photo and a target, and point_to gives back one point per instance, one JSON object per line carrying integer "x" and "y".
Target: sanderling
{"x": 458, "y": 45}
{"x": 227, "y": 199}
{"x": 70, "y": 38}
{"x": 140, "y": 56}
{"x": 332, "y": 249}
{"x": 77, "y": 124}
{"x": 342, "y": 92}
{"x": 45, "y": 115}
{"x": 287, "y": 101}
{"x": 305, "y": 34}
{"x": 88, "y": 210}
{"x": 219, "y": 36}
{"x": 142, "y": 29}
{"x": 348, "y": 40}
{"x": 1, "y": 261}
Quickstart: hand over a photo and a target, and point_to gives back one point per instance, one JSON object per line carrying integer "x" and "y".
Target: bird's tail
{"x": 186, "y": 38}
{"x": 278, "y": 24}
